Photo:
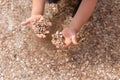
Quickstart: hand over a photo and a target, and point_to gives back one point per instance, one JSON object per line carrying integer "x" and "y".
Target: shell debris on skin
{"x": 57, "y": 39}
{"x": 41, "y": 26}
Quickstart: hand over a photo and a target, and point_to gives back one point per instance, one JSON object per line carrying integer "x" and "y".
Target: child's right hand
{"x": 31, "y": 19}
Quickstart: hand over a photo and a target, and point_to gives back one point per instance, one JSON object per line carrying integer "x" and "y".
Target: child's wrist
{"x": 74, "y": 29}
{"x": 34, "y": 14}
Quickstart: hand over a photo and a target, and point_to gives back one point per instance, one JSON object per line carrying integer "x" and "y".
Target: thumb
{"x": 26, "y": 22}
{"x": 74, "y": 41}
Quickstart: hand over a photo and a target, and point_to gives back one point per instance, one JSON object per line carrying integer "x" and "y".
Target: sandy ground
{"x": 23, "y": 56}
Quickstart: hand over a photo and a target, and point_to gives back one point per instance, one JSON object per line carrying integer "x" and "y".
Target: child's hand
{"x": 39, "y": 25}
{"x": 32, "y": 19}
{"x": 69, "y": 35}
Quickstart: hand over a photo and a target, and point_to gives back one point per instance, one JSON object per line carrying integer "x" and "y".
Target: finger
{"x": 42, "y": 36}
{"x": 41, "y": 18}
{"x": 26, "y": 22}
{"x": 74, "y": 41}
{"x": 38, "y": 35}
{"x": 47, "y": 32}
{"x": 67, "y": 42}
{"x": 49, "y": 24}
{"x": 53, "y": 35}
{"x": 57, "y": 47}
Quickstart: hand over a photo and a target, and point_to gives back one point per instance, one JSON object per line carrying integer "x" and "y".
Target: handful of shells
{"x": 58, "y": 40}
{"x": 41, "y": 26}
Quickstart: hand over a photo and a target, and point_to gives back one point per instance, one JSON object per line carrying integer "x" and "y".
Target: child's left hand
{"x": 69, "y": 35}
